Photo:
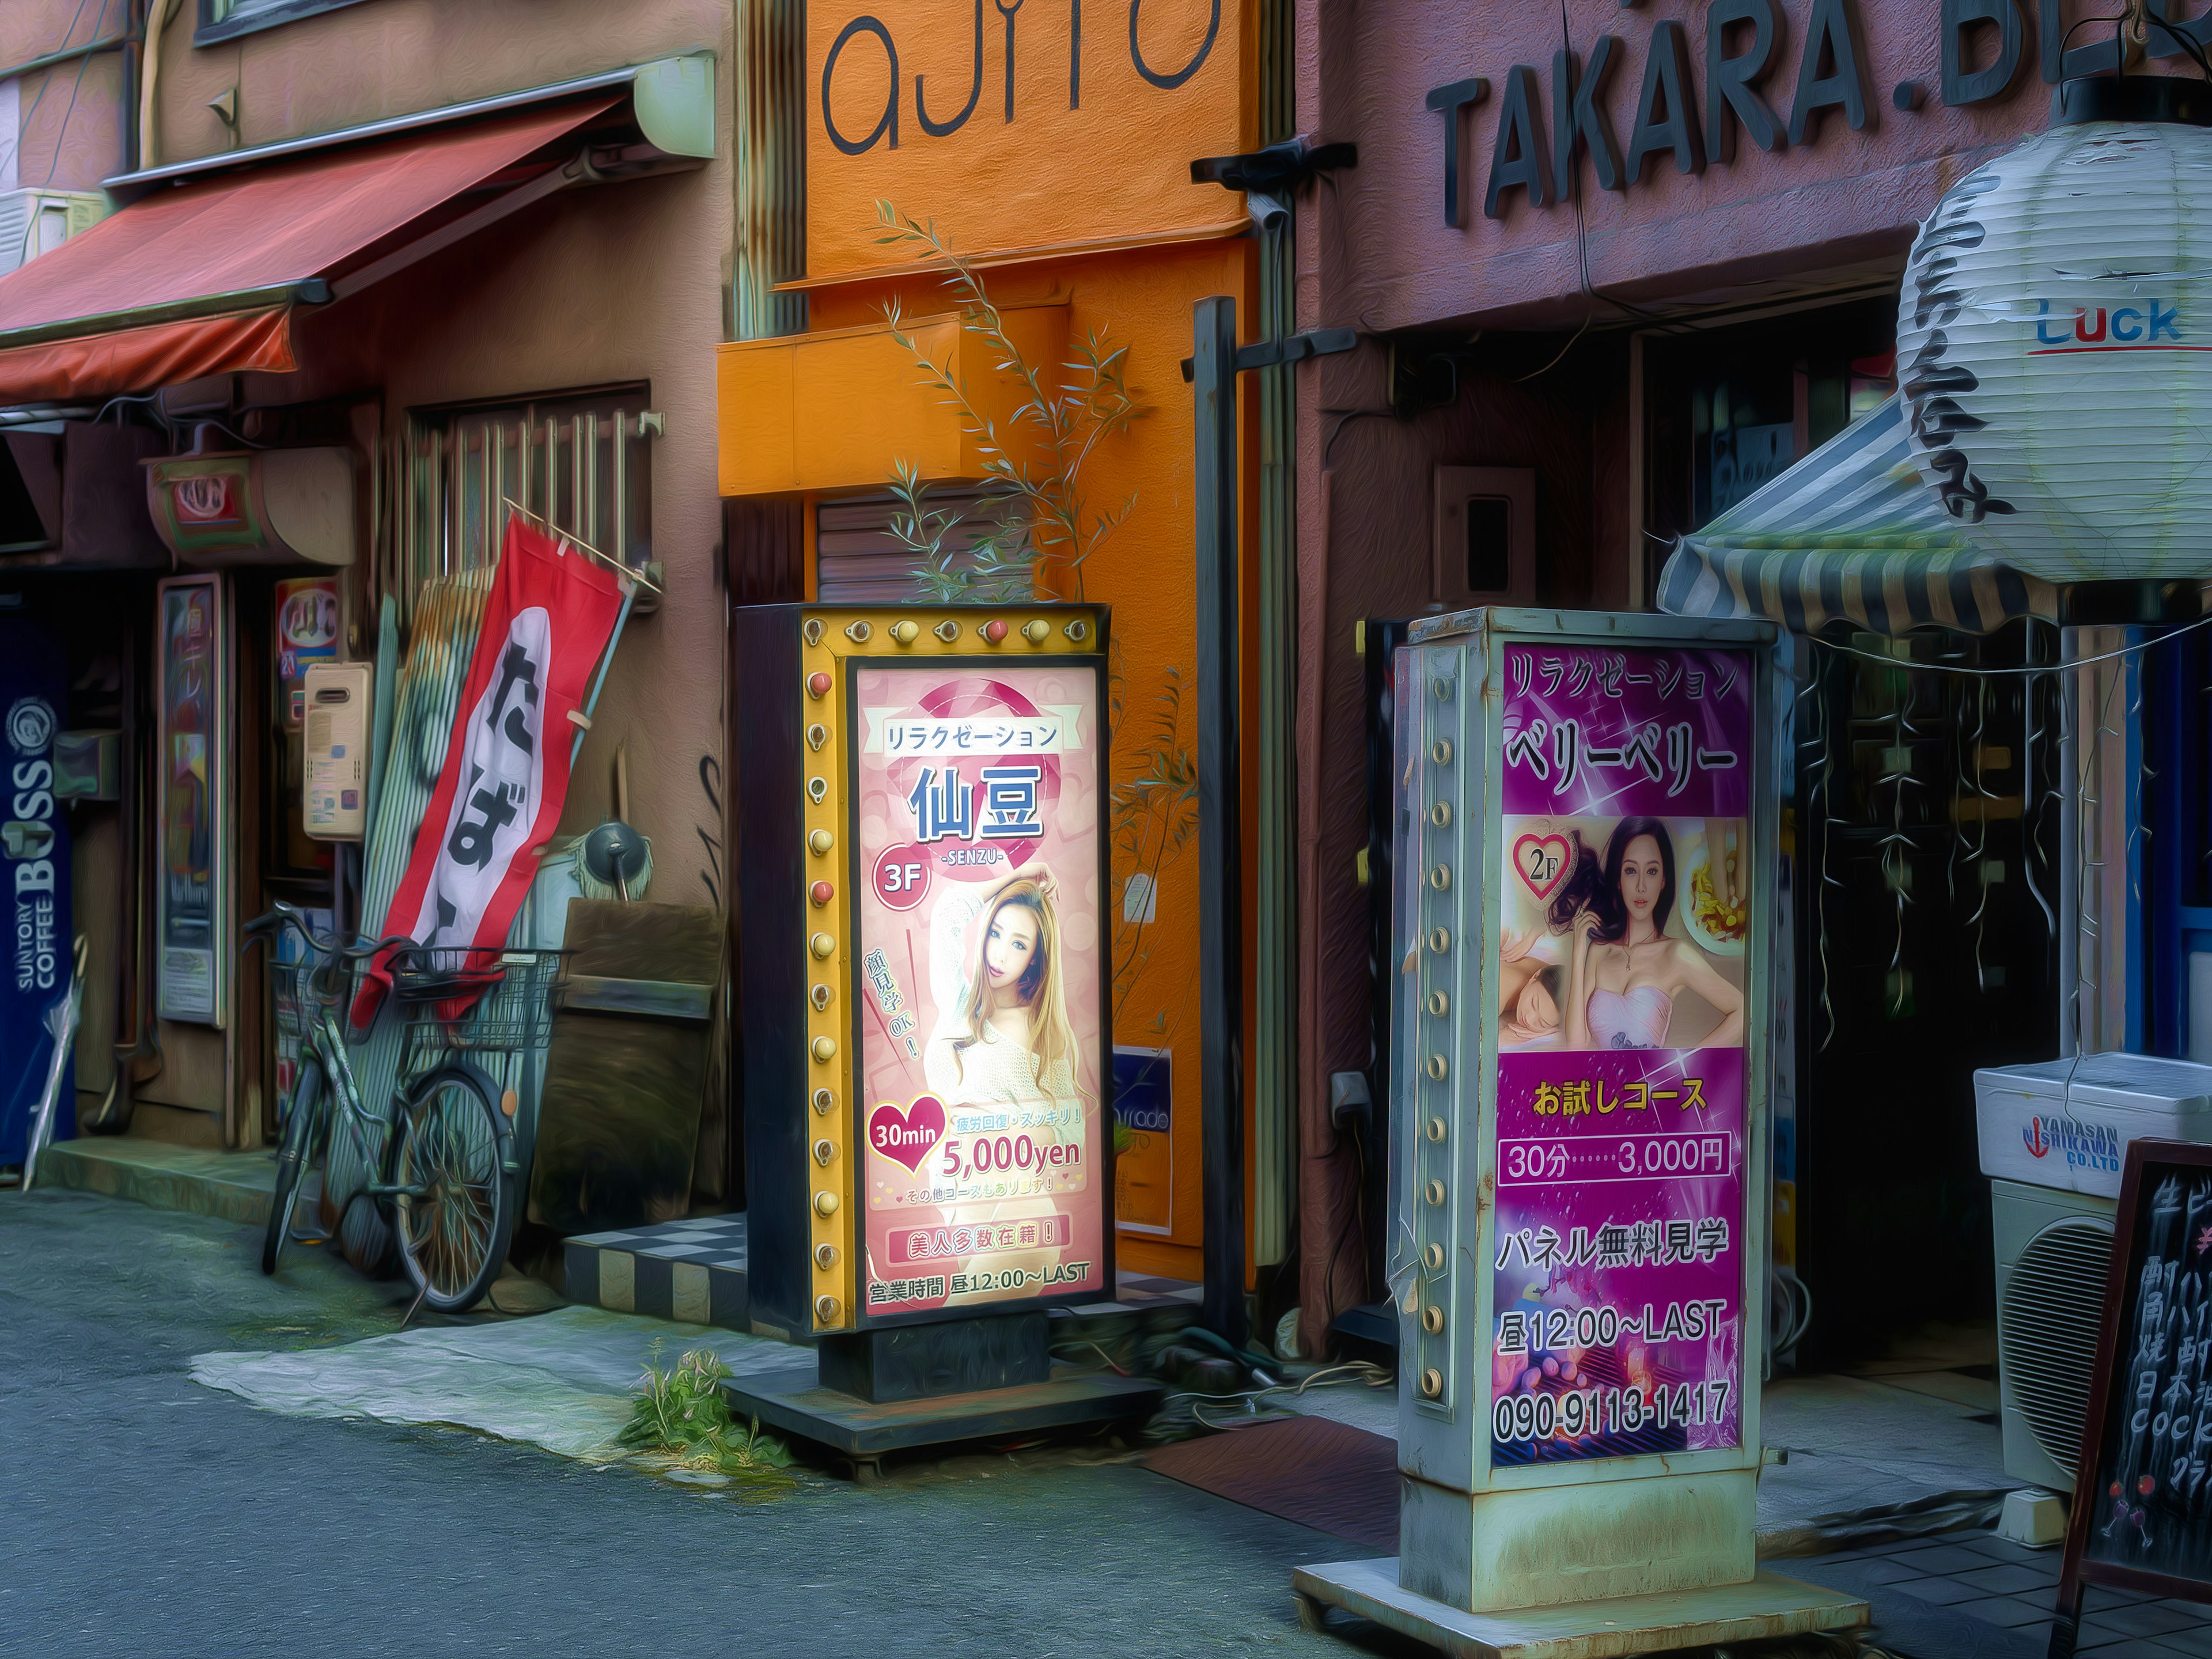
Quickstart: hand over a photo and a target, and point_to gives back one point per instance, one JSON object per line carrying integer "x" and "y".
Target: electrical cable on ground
{"x": 1193, "y": 1406}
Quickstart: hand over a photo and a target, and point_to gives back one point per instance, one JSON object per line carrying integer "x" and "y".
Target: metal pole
{"x": 1275, "y": 920}
{"x": 2071, "y": 1033}
{"x": 1220, "y": 836}
{"x": 606, "y": 661}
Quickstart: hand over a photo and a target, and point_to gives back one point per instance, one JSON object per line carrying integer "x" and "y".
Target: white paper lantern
{"x": 2055, "y": 352}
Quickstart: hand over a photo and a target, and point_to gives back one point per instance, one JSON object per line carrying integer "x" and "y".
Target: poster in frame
{"x": 1623, "y": 912}
{"x": 305, "y": 621}
{"x": 982, "y": 1119}
{"x": 192, "y": 808}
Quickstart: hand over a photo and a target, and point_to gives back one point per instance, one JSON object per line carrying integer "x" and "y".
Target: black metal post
{"x": 1221, "y": 833}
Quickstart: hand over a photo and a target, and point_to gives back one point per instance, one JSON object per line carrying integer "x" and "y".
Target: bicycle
{"x": 442, "y": 1157}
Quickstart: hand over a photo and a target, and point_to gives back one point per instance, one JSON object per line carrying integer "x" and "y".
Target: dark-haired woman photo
{"x": 1623, "y": 971}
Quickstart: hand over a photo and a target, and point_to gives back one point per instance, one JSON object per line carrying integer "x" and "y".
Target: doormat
{"x": 1329, "y": 1476}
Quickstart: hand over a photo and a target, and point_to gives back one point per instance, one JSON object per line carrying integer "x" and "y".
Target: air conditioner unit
{"x": 35, "y": 221}
{"x": 2054, "y": 1136}
{"x": 2054, "y": 1249}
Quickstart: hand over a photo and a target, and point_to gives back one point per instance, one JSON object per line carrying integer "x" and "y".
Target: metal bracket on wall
{"x": 1296, "y": 348}
{"x": 1270, "y": 177}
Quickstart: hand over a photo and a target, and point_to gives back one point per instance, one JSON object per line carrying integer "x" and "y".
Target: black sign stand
{"x": 2142, "y": 1485}
{"x": 876, "y": 1384}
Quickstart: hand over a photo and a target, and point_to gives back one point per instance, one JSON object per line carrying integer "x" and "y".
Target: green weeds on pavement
{"x": 682, "y": 1420}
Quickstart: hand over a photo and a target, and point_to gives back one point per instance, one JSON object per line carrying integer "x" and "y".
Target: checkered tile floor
{"x": 692, "y": 1270}
{"x": 2000, "y": 1582}
{"x": 716, "y": 1240}
{"x": 1137, "y": 1290}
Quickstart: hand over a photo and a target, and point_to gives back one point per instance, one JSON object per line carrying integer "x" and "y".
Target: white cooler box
{"x": 2038, "y": 1127}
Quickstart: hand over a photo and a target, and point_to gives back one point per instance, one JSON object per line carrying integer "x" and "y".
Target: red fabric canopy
{"x": 233, "y": 233}
{"x": 162, "y": 354}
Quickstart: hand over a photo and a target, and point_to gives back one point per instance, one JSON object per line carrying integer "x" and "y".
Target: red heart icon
{"x": 1542, "y": 862}
{"x": 908, "y": 1136}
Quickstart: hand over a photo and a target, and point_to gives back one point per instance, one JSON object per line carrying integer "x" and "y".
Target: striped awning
{"x": 1851, "y": 531}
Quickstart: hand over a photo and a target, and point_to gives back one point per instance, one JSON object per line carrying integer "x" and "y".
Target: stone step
{"x": 235, "y": 1186}
{"x": 697, "y": 1270}
{"x": 693, "y": 1271}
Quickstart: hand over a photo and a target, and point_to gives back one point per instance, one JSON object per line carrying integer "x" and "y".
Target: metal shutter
{"x": 857, "y": 561}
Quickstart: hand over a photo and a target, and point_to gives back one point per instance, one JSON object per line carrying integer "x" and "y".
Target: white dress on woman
{"x": 993, "y": 1069}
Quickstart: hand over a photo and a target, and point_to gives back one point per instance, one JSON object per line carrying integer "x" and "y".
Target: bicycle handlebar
{"x": 282, "y": 914}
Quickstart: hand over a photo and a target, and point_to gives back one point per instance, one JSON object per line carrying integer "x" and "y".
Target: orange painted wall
{"x": 1141, "y": 299}
{"x": 842, "y": 406}
{"x": 1077, "y": 197}
{"x": 1114, "y": 167}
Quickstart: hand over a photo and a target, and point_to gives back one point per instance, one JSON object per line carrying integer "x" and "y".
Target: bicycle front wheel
{"x": 292, "y": 1153}
{"x": 456, "y": 1211}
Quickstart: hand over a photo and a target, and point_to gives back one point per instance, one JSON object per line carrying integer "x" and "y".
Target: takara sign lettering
{"x": 1750, "y": 52}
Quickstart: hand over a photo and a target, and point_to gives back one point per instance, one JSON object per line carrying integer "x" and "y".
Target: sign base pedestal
{"x": 795, "y": 1403}
{"x": 949, "y": 1356}
{"x": 1770, "y": 1605}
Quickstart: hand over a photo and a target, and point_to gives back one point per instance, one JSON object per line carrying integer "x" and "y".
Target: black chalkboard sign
{"x": 2142, "y": 1487}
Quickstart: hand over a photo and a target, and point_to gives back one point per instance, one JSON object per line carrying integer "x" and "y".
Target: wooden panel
{"x": 767, "y": 861}
{"x": 764, "y": 546}
{"x": 793, "y": 1402}
{"x": 859, "y": 562}
{"x": 858, "y": 407}
{"x": 926, "y": 107}
{"x": 656, "y": 998}
{"x": 754, "y": 435}
{"x": 615, "y": 940}
{"x": 618, "y": 1124}
{"x": 191, "y": 1073}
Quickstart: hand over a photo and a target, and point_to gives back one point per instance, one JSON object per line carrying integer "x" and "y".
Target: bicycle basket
{"x": 477, "y": 996}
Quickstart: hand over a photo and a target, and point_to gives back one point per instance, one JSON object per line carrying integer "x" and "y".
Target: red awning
{"x": 200, "y": 277}
{"x": 158, "y": 354}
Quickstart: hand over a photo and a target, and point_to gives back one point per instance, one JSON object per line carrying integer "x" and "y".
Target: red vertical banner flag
{"x": 549, "y": 618}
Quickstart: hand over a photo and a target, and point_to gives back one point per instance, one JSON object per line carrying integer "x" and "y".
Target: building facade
{"x": 462, "y": 255}
{"x": 1050, "y": 164}
{"x": 1617, "y": 270}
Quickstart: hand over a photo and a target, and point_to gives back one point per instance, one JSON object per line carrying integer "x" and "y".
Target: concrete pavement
{"x": 142, "y": 1513}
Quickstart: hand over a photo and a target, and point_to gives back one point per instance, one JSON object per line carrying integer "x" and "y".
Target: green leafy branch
{"x": 997, "y": 569}
{"x": 1032, "y": 506}
{"x": 1033, "y": 457}
{"x": 1154, "y": 814}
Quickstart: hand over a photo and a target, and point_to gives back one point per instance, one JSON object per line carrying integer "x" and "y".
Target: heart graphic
{"x": 1542, "y": 862}
{"x": 908, "y": 1136}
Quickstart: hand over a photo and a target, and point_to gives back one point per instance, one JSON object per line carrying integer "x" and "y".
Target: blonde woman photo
{"x": 1002, "y": 1036}
{"x": 1003, "y": 1040}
